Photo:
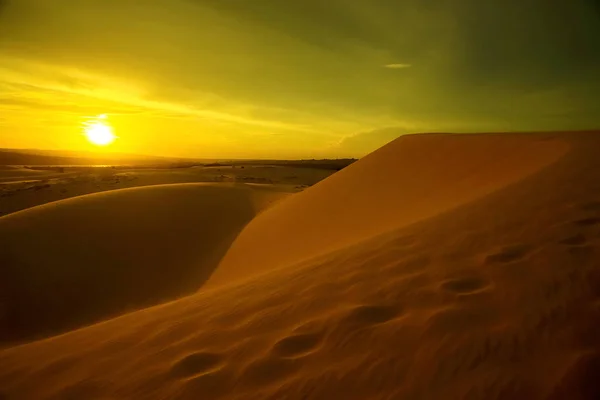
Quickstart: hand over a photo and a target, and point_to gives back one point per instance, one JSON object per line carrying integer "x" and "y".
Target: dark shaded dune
{"x": 77, "y": 261}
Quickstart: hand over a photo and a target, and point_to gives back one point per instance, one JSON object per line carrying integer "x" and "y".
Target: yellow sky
{"x": 264, "y": 79}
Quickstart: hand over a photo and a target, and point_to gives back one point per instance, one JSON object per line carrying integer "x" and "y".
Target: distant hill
{"x": 330, "y": 164}
{"x": 33, "y": 157}
{"x": 59, "y": 157}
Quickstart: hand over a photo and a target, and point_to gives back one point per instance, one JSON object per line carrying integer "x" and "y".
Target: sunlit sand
{"x": 438, "y": 267}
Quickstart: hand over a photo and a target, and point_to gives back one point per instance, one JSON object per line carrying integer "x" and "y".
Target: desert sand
{"x": 438, "y": 267}
{"x": 24, "y": 188}
{"x": 18, "y": 172}
{"x": 80, "y": 260}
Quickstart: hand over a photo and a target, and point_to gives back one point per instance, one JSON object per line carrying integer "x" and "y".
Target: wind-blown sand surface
{"x": 445, "y": 267}
{"x": 84, "y": 259}
{"x": 406, "y": 181}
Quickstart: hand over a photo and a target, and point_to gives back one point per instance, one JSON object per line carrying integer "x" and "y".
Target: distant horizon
{"x": 112, "y": 153}
{"x": 83, "y": 155}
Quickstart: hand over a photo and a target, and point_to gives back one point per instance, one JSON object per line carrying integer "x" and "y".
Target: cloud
{"x": 40, "y": 86}
{"x": 362, "y": 143}
{"x": 397, "y": 66}
{"x": 299, "y": 75}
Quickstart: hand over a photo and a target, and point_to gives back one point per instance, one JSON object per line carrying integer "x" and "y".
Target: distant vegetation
{"x": 336, "y": 164}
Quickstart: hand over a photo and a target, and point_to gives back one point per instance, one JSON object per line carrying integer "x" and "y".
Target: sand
{"x": 72, "y": 262}
{"x": 12, "y": 172}
{"x": 22, "y": 188}
{"x": 483, "y": 282}
{"x": 410, "y": 179}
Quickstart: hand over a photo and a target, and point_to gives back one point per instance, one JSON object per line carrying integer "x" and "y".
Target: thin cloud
{"x": 397, "y": 66}
{"x": 75, "y": 86}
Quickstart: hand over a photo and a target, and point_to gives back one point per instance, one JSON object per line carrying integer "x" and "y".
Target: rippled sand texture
{"x": 438, "y": 267}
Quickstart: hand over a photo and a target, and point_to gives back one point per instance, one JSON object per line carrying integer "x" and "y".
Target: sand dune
{"x": 13, "y": 173}
{"x": 23, "y": 192}
{"x": 412, "y": 178}
{"x": 80, "y": 260}
{"x": 495, "y": 295}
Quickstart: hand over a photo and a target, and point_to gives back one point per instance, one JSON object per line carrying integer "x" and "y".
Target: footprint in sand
{"x": 297, "y": 345}
{"x": 465, "y": 285}
{"x": 196, "y": 364}
{"x": 509, "y": 254}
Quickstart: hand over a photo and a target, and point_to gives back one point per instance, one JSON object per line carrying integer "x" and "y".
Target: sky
{"x": 292, "y": 79}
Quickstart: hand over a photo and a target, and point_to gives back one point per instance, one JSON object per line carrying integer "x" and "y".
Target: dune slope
{"x": 496, "y": 298}
{"x": 77, "y": 261}
{"x": 410, "y": 179}
{"x": 13, "y": 173}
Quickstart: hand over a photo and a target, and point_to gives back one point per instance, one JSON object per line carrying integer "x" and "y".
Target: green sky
{"x": 289, "y": 79}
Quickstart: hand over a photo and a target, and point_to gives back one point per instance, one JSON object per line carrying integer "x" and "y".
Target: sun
{"x": 99, "y": 132}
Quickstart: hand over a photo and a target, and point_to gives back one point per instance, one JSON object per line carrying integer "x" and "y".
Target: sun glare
{"x": 99, "y": 132}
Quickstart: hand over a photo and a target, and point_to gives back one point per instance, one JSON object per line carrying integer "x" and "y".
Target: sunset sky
{"x": 292, "y": 79}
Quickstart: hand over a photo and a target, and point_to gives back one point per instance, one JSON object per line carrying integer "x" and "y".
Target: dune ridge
{"x": 77, "y": 261}
{"x": 497, "y": 297}
{"x": 413, "y": 178}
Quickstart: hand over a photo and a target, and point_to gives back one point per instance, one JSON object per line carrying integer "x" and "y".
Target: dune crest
{"x": 413, "y": 178}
